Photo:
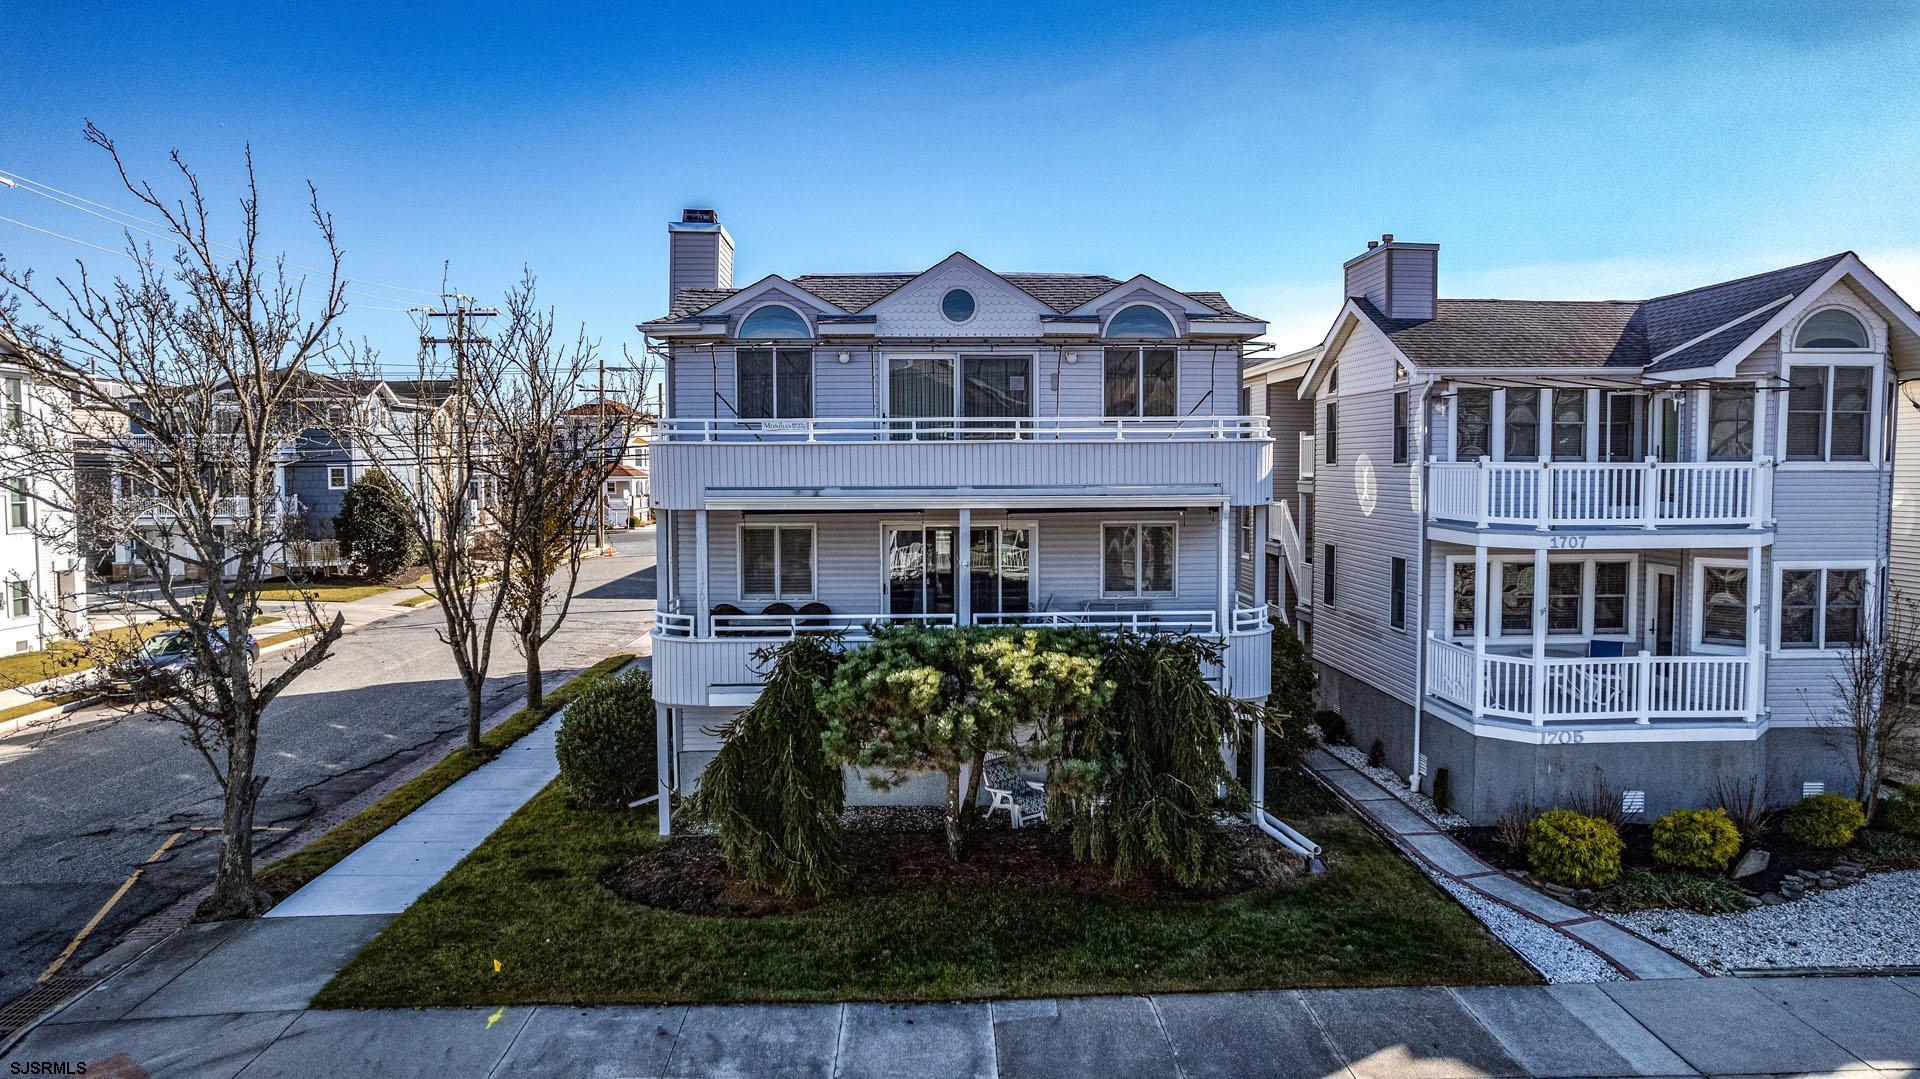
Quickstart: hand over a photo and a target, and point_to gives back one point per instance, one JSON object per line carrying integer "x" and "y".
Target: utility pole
{"x": 462, "y": 320}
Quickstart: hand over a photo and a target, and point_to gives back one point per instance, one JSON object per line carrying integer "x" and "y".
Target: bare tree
{"x": 188, "y": 379}
{"x": 549, "y": 461}
{"x": 1875, "y": 714}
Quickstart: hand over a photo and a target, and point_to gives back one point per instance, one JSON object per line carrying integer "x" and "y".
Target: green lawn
{"x": 341, "y": 591}
{"x": 285, "y": 876}
{"x": 531, "y": 898}
{"x": 68, "y": 657}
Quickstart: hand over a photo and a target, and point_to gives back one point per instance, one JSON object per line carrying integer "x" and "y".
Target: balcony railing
{"x": 1578, "y": 494}
{"x": 234, "y": 507}
{"x": 1246, "y": 618}
{"x": 965, "y": 429}
{"x": 1639, "y": 688}
{"x": 1308, "y": 456}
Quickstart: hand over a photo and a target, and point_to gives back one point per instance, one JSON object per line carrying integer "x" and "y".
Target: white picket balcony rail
{"x": 1640, "y": 688}
{"x": 963, "y": 429}
{"x": 1247, "y": 618}
{"x": 1579, "y": 494}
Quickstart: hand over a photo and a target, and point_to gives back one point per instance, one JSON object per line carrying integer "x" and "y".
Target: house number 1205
{"x": 1564, "y": 738}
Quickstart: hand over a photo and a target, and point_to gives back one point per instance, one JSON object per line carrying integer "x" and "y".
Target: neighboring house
{"x": 624, "y": 501}
{"x": 1558, "y": 541}
{"x": 952, "y": 445}
{"x": 43, "y": 582}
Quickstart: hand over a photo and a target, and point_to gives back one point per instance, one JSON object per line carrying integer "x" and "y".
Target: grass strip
{"x": 420, "y": 600}
{"x": 526, "y": 919}
{"x": 44, "y": 704}
{"x": 286, "y": 876}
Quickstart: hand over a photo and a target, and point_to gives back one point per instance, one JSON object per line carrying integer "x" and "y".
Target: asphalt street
{"x": 88, "y": 802}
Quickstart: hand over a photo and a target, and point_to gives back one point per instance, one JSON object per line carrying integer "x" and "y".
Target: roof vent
{"x": 1371, "y": 244}
{"x": 700, "y": 217}
{"x": 1386, "y": 237}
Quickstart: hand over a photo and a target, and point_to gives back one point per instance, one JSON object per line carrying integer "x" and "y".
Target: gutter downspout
{"x": 1420, "y": 602}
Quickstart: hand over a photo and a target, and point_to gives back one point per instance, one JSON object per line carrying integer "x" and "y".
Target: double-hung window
{"x": 1516, "y": 598}
{"x": 1570, "y": 425}
{"x": 1585, "y": 597}
{"x": 19, "y": 599}
{"x": 776, "y": 562}
{"x": 774, "y": 383}
{"x": 1464, "y": 607}
{"x": 19, "y": 513}
{"x": 1473, "y": 425}
{"x": 1141, "y": 381}
{"x": 1397, "y": 595}
{"x": 1565, "y": 594}
{"x": 1723, "y": 593}
{"x": 1137, "y": 559}
{"x": 1245, "y": 524}
{"x": 1523, "y": 425}
{"x": 1822, "y": 607}
{"x": 1829, "y": 412}
{"x": 336, "y": 477}
{"x": 1402, "y": 430}
{"x": 16, "y": 391}
{"x": 1730, "y": 423}
{"x": 1610, "y": 595}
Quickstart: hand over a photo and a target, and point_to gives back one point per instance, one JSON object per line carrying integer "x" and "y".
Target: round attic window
{"x": 957, "y": 305}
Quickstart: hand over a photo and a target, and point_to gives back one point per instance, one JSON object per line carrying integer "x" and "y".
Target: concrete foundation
{"x": 1490, "y": 775}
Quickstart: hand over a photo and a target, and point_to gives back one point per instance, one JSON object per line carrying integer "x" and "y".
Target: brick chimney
{"x": 699, "y": 252}
{"x": 1401, "y": 279}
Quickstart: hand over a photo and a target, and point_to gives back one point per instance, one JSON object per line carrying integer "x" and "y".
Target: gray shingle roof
{"x": 857, "y": 291}
{"x": 1598, "y": 333}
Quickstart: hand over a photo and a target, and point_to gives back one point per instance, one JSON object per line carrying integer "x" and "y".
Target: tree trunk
{"x": 956, "y": 827}
{"x": 234, "y": 895}
{"x": 969, "y": 813}
{"x": 535, "y": 691}
{"x": 473, "y": 715}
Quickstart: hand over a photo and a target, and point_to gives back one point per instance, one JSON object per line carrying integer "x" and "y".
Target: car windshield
{"x": 175, "y": 643}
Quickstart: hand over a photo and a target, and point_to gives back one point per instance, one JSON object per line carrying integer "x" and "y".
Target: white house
{"x": 1540, "y": 543}
{"x": 42, "y": 580}
{"x": 950, "y": 445}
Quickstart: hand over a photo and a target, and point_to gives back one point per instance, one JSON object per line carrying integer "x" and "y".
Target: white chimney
{"x": 1400, "y": 279}
{"x": 699, "y": 252}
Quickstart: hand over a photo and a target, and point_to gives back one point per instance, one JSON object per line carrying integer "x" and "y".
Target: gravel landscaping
{"x": 1868, "y": 925}
{"x": 1546, "y": 950}
{"x": 1396, "y": 785}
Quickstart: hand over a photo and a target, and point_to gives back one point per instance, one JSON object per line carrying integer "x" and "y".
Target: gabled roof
{"x": 855, "y": 292}
{"x": 1681, "y": 331}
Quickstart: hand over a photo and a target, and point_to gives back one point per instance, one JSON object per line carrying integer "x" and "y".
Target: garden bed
{"x": 688, "y": 875}
{"x": 529, "y": 917}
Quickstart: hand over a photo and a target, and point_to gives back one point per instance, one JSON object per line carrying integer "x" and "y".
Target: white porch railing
{"x": 1640, "y": 688}
{"x": 965, "y": 429}
{"x": 1579, "y": 494}
{"x": 1247, "y": 618}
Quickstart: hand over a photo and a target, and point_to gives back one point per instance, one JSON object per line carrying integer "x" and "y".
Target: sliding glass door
{"x": 1000, "y": 561}
{"x": 978, "y": 389}
{"x": 920, "y": 570}
{"x": 921, "y": 576}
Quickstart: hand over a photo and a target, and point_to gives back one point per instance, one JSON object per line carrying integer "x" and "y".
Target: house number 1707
{"x": 1567, "y": 543}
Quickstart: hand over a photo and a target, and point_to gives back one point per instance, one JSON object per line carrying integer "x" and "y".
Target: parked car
{"x": 166, "y": 661}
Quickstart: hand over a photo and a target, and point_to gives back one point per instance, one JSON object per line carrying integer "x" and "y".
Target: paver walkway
{"x": 1422, "y": 840}
{"x": 396, "y": 867}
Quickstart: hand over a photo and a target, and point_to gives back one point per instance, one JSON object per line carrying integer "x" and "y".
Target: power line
{"x": 136, "y": 223}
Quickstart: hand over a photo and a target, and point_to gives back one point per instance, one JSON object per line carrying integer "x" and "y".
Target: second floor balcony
{"x": 694, "y": 456}
{"x": 1647, "y": 495}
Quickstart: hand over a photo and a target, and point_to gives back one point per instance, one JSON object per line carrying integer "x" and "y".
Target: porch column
{"x": 1479, "y": 625}
{"x": 1259, "y": 553}
{"x": 700, "y": 615}
{"x": 1754, "y": 650}
{"x": 664, "y": 592}
{"x": 1225, "y": 598}
{"x": 1539, "y": 635}
{"x": 963, "y": 569}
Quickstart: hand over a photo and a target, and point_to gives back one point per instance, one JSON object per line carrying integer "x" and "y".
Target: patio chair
{"x": 1022, "y": 798}
{"x": 814, "y": 615}
{"x": 725, "y": 610}
{"x": 775, "y": 629}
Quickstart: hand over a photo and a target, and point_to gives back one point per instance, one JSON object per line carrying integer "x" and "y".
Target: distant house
{"x": 1543, "y": 543}
{"x": 945, "y": 446}
{"x": 43, "y": 579}
{"x": 626, "y": 486}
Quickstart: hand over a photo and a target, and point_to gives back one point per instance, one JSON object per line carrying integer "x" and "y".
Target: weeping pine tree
{"x": 1139, "y": 778}
{"x": 772, "y": 793}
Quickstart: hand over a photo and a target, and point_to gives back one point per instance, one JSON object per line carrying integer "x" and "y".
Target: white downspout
{"x": 1420, "y": 593}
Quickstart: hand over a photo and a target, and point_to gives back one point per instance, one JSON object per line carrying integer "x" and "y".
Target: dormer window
{"x": 1832, "y": 328}
{"x": 1140, "y": 320}
{"x": 775, "y": 321}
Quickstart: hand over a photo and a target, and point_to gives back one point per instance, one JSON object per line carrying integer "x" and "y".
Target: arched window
{"x": 1832, "y": 328}
{"x": 775, "y": 321}
{"x": 1140, "y": 320}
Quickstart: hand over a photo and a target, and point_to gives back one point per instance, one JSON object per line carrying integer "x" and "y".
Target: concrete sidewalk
{"x": 230, "y": 999}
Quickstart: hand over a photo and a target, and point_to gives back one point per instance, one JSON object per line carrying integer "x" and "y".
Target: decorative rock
{"x": 1750, "y": 901}
{"x": 1750, "y": 863}
{"x": 1773, "y": 899}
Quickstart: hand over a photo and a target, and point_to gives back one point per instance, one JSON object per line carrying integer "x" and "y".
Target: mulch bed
{"x": 686, "y": 874}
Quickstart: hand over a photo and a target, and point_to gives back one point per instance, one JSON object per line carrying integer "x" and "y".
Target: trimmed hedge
{"x": 1827, "y": 821}
{"x": 1574, "y": 849}
{"x": 605, "y": 744}
{"x": 1704, "y": 840}
{"x": 1902, "y": 811}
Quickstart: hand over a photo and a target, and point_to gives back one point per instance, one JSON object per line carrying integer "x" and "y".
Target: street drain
{"x": 20, "y": 1012}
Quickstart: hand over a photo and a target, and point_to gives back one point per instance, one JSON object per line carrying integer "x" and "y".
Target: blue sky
{"x": 1552, "y": 153}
